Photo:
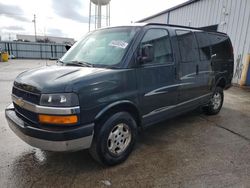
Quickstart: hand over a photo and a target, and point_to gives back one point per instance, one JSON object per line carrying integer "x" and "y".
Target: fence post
{"x": 16, "y": 50}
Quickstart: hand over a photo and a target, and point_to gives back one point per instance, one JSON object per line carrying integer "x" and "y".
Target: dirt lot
{"x": 192, "y": 150}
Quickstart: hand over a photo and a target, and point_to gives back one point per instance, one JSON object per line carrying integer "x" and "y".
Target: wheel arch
{"x": 221, "y": 82}
{"x": 124, "y": 105}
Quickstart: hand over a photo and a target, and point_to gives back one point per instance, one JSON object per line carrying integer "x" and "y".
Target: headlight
{"x": 59, "y": 100}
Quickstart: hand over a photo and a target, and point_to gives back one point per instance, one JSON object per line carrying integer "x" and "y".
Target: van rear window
{"x": 220, "y": 46}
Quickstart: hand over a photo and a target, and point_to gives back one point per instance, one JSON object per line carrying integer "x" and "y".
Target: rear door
{"x": 205, "y": 73}
{"x": 156, "y": 79}
{"x": 222, "y": 52}
{"x": 190, "y": 85}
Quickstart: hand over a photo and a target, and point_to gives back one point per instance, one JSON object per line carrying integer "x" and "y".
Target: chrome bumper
{"x": 69, "y": 145}
{"x": 68, "y": 140}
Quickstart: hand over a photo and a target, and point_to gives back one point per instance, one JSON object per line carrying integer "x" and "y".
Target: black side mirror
{"x": 146, "y": 54}
{"x": 67, "y": 47}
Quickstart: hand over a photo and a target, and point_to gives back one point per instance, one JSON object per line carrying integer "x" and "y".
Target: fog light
{"x": 58, "y": 119}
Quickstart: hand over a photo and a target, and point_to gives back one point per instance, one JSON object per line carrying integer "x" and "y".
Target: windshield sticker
{"x": 118, "y": 43}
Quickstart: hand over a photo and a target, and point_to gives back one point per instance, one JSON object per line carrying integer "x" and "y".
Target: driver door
{"x": 156, "y": 79}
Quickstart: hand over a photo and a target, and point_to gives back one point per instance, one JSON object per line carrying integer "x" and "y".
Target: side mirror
{"x": 67, "y": 46}
{"x": 147, "y": 53}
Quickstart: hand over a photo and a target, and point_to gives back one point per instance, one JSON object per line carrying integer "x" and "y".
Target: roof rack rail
{"x": 186, "y": 27}
{"x": 173, "y": 25}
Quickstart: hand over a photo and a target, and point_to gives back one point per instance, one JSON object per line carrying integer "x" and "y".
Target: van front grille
{"x": 26, "y": 95}
{"x": 31, "y": 97}
{"x": 26, "y": 114}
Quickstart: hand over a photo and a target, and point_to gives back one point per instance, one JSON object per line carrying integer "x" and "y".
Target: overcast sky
{"x": 69, "y": 18}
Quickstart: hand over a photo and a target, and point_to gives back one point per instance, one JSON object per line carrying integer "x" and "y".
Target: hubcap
{"x": 119, "y": 139}
{"x": 216, "y": 100}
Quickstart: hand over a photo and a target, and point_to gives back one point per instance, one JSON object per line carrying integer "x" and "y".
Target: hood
{"x": 55, "y": 79}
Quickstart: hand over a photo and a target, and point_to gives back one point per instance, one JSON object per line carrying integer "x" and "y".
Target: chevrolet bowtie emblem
{"x": 20, "y": 102}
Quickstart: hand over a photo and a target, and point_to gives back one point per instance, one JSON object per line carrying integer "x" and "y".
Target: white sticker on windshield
{"x": 118, "y": 43}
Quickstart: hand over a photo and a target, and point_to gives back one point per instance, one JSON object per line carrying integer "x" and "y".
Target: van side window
{"x": 160, "y": 41}
{"x": 220, "y": 46}
{"x": 204, "y": 45}
{"x": 187, "y": 45}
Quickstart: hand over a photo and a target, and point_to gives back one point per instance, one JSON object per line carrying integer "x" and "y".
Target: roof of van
{"x": 127, "y": 25}
{"x": 142, "y": 24}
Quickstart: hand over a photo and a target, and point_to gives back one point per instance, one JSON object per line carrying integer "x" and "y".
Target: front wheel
{"x": 215, "y": 103}
{"x": 114, "y": 139}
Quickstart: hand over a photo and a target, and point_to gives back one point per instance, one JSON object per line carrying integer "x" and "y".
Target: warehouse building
{"x": 51, "y": 39}
{"x": 228, "y": 16}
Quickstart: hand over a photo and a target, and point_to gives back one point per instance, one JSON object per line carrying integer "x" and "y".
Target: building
{"x": 50, "y": 39}
{"x": 228, "y": 16}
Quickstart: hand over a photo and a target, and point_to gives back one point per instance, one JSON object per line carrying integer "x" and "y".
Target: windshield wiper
{"x": 79, "y": 63}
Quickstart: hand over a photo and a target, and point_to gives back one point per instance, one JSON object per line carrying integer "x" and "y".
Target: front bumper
{"x": 70, "y": 139}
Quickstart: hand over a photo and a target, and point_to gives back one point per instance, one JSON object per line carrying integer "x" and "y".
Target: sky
{"x": 69, "y": 18}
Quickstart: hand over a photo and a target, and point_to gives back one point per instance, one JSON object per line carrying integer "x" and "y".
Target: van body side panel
{"x": 192, "y": 82}
{"x": 205, "y": 74}
{"x": 113, "y": 86}
{"x": 157, "y": 91}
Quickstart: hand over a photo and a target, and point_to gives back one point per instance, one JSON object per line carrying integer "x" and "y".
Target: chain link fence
{"x": 33, "y": 50}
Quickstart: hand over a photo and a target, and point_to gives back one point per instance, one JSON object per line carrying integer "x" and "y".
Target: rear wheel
{"x": 215, "y": 103}
{"x": 114, "y": 139}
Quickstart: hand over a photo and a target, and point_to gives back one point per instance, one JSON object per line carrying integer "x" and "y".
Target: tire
{"x": 114, "y": 139}
{"x": 215, "y": 103}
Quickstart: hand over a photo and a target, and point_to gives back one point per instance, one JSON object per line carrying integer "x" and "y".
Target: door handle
{"x": 213, "y": 56}
{"x": 197, "y": 69}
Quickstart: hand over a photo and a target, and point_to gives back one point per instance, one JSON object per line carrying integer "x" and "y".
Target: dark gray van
{"x": 117, "y": 80}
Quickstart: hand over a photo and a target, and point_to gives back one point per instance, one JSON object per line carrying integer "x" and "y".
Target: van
{"x": 116, "y": 81}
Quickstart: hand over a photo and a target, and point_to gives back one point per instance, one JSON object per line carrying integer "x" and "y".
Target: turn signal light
{"x": 58, "y": 119}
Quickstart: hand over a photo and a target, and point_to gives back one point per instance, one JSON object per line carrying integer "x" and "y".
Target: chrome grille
{"x": 26, "y": 95}
{"x": 26, "y": 114}
{"x": 31, "y": 97}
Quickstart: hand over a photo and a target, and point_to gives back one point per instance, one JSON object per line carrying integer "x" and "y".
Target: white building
{"x": 59, "y": 40}
{"x": 228, "y": 16}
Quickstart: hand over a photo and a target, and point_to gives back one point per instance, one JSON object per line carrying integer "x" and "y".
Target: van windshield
{"x": 104, "y": 48}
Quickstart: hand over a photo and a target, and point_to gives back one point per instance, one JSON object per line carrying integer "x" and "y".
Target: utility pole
{"x": 89, "y": 14}
{"x": 34, "y": 20}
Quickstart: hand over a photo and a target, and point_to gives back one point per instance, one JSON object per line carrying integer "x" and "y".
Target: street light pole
{"x": 34, "y": 20}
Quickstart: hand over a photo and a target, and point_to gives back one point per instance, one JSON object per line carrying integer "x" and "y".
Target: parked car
{"x": 116, "y": 81}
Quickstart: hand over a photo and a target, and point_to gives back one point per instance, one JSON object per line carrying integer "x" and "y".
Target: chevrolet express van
{"x": 116, "y": 81}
